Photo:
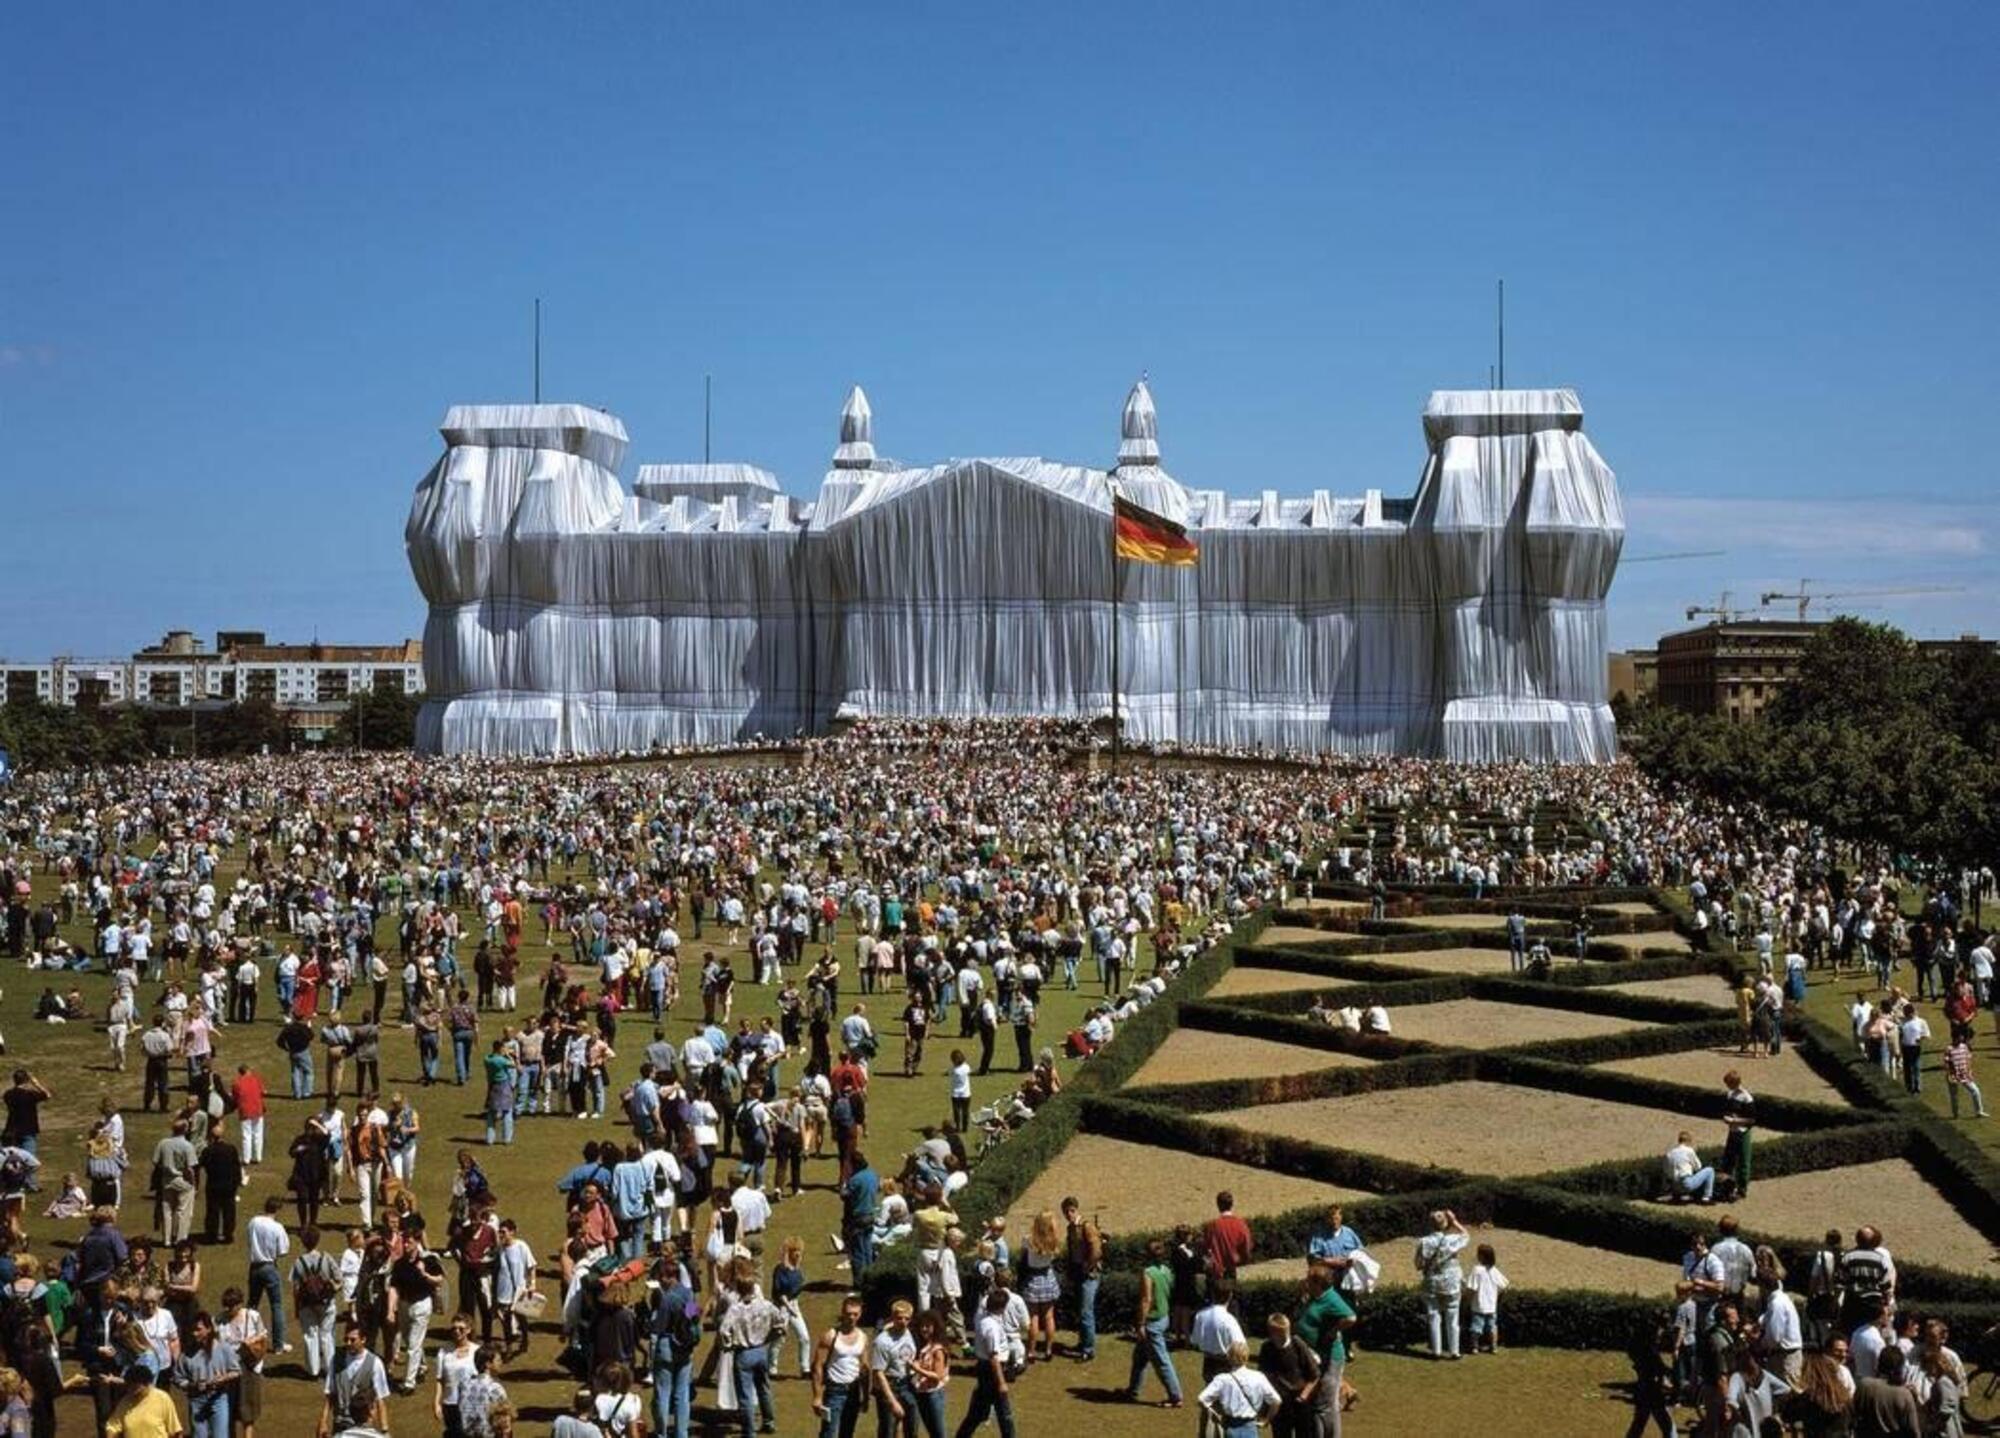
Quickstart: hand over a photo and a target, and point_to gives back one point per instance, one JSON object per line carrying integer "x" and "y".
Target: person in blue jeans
{"x": 990, "y": 1395}
{"x": 745, "y": 1333}
{"x": 840, "y": 1372}
{"x": 892, "y": 1360}
{"x": 1156, "y": 1287}
{"x": 676, "y": 1333}
{"x": 1084, "y": 1256}
{"x": 1687, "y": 1176}
{"x": 860, "y": 1197}
{"x": 464, "y": 1021}
{"x": 931, "y": 1371}
{"x": 207, "y": 1372}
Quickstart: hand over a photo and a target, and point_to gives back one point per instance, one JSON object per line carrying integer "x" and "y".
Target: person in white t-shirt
{"x": 1484, "y": 1285}
{"x": 1239, "y": 1399}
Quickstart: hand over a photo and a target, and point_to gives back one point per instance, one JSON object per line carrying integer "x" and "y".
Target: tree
{"x": 1867, "y": 673}
{"x": 1876, "y": 741}
{"x": 380, "y": 719}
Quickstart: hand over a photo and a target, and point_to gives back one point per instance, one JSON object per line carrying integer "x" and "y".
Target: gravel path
{"x": 1139, "y": 1188}
{"x": 1242, "y": 980}
{"x": 1786, "y": 1076}
{"x": 1530, "y": 1260}
{"x": 1918, "y": 1223}
{"x": 1485, "y": 1024}
{"x": 1481, "y": 1127}
{"x": 1696, "y": 988}
{"x": 1197, "y": 1055}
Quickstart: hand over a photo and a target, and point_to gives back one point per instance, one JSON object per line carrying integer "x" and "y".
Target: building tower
{"x": 1139, "y": 431}
{"x": 857, "y": 433}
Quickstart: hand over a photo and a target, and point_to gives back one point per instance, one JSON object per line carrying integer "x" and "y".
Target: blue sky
{"x": 250, "y": 256}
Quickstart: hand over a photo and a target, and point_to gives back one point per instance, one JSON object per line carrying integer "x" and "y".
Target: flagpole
{"x": 1117, "y": 727}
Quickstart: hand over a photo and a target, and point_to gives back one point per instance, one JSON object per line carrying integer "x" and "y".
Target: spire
{"x": 1139, "y": 429}
{"x": 857, "y": 433}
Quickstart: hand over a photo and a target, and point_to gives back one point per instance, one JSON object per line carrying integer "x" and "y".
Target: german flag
{"x": 1147, "y": 538}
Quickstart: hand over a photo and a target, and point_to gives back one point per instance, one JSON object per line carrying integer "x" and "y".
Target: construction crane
{"x": 1720, "y": 610}
{"x": 1806, "y": 596}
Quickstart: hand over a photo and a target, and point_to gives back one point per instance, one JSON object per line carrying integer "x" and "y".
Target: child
{"x": 977, "y": 1284}
{"x": 1486, "y": 1283}
{"x": 1687, "y": 1320}
{"x": 74, "y": 1200}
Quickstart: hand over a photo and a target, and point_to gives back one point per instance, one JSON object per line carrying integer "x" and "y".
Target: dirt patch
{"x": 1444, "y": 961}
{"x": 1530, "y": 1260}
{"x": 1197, "y": 1055}
{"x": 1484, "y": 1024}
{"x": 1331, "y": 906}
{"x": 1918, "y": 1223}
{"x": 1631, "y": 908}
{"x": 1495, "y": 922}
{"x": 1479, "y": 1127}
{"x": 1242, "y": 981}
{"x": 1656, "y": 939}
{"x": 1139, "y": 1188}
{"x": 1786, "y": 1076}
{"x": 1695, "y": 988}
{"x": 1290, "y": 936}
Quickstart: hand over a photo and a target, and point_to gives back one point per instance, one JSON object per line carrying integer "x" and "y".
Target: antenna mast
{"x": 1503, "y": 333}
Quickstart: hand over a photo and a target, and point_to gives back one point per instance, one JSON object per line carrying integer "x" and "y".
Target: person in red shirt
{"x": 850, "y": 1076}
{"x": 1226, "y": 1239}
{"x": 600, "y": 1227}
{"x": 250, "y": 1113}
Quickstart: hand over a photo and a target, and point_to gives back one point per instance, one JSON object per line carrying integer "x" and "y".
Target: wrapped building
{"x": 704, "y": 606}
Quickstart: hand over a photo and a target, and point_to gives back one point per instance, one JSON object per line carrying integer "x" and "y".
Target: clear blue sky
{"x": 252, "y": 253}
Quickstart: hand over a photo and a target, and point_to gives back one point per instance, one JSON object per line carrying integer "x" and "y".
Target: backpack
{"x": 315, "y": 1288}
{"x": 677, "y": 1318}
{"x": 14, "y": 1173}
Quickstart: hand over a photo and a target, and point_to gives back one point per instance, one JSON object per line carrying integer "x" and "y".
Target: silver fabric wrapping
{"x": 566, "y": 616}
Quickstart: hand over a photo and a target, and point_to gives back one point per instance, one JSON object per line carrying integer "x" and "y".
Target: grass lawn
{"x": 73, "y": 1061}
{"x": 1828, "y": 997}
{"x": 1402, "y": 1394}
{"x": 1570, "y": 1393}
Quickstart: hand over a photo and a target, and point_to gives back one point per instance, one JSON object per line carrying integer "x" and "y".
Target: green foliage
{"x": 382, "y": 719}
{"x": 1876, "y": 739}
{"x": 48, "y": 736}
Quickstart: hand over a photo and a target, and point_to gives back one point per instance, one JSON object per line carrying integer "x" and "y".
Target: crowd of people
{"x": 309, "y": 916}
{"x": 302, "y": 917}
{"x": 1830, "y": 1352}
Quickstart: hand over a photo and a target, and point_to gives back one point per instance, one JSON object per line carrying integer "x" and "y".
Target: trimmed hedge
{"x": 1003, "y": 1175}
{"x": 1776, "y": 1157}
{"x": 1425, "y": 1070}
{"x": 1631, "y": 1043}
{"x": 1405, "y": 990}
{"x": 1516, "y": 1067}
{"x": 1642, "y": 1230}
{"x": 1221, "y": 1016}
{"x": 1593, "y": 1201}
